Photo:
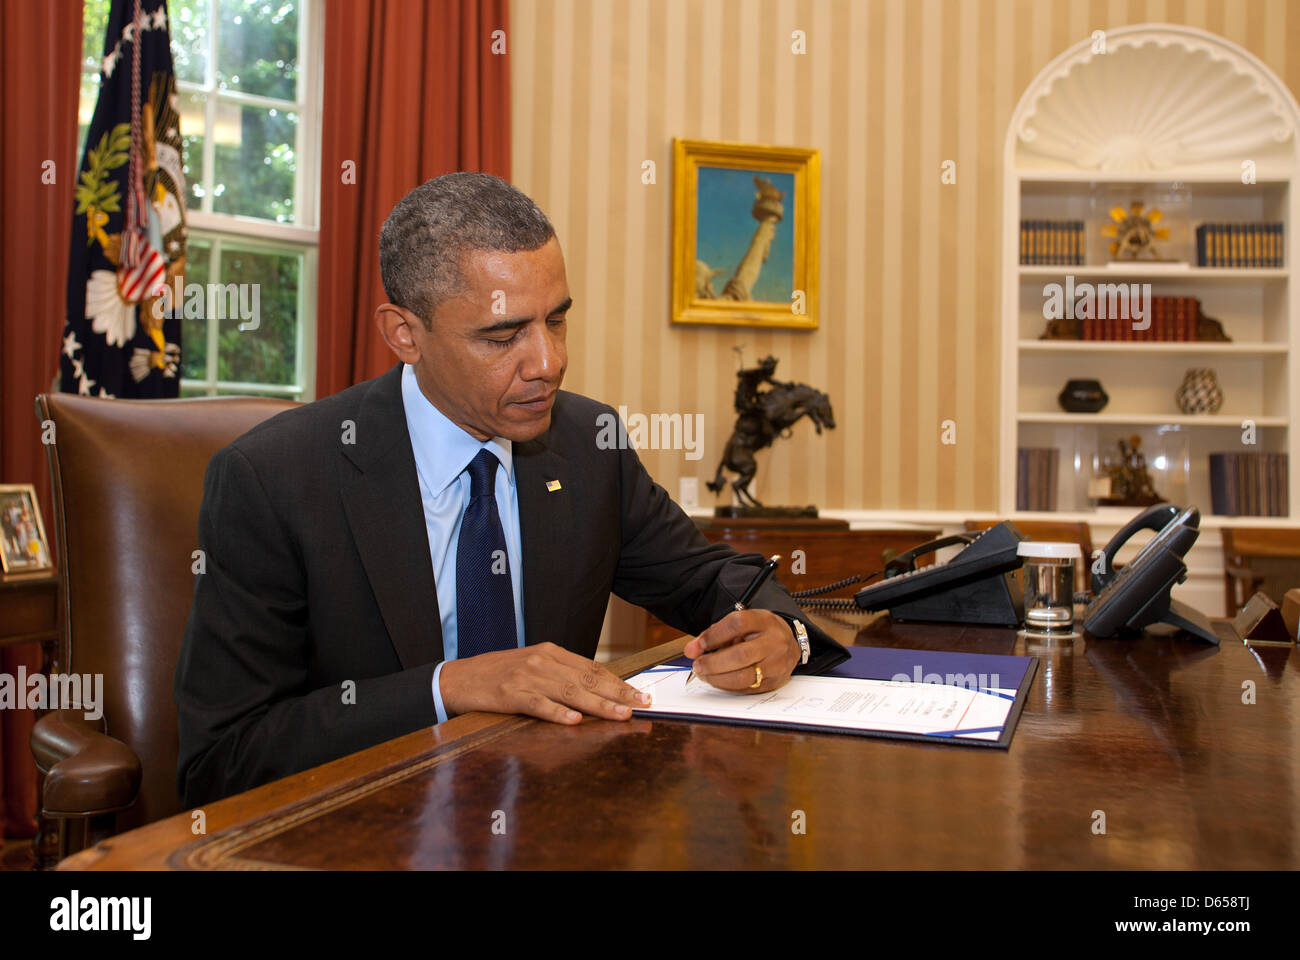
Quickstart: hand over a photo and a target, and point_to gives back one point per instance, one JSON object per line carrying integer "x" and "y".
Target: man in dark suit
{"x": 445, "y": 537}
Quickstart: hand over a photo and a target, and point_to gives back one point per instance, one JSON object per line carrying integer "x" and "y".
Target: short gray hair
{"x": 433, "y": 226}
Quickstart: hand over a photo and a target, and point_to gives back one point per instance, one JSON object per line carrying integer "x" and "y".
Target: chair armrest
{"x": 86, "y": 771}
{"x": 1244, "y": 573}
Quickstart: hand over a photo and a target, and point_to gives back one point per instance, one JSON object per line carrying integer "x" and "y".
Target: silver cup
{"x": 1049, "y": 585}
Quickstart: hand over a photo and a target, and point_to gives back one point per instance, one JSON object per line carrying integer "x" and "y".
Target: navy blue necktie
{"x": 485, "y": 602}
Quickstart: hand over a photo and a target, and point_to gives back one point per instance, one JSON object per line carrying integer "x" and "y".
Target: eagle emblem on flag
{"x": 122, "y": 333}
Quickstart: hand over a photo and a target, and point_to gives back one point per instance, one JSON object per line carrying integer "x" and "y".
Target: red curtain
{"x": 39, "y": 84}
{"x": 412, "y": 90}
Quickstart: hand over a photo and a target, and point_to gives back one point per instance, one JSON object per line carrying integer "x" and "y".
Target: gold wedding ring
{"x": 758, "y": 677}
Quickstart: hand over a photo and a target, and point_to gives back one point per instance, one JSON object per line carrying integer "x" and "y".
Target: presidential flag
{"x": 122, "y": 337}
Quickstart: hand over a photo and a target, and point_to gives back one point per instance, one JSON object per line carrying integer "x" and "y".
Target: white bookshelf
{"x": 1247, "y": 276}
{"x": 1166, "y": 116}
{"x": 1208, "y": 350}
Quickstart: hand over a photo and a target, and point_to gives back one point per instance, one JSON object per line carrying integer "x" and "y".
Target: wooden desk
{"x": 29, "y": 611}
{"x": 1151, "y": 732}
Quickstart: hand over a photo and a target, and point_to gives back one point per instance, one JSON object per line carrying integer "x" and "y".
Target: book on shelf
{"x": 1171, "y": 319}
{"x": 1037, "y": 471}
{"x": 1249, "y": 484}
{"x": 1051, "y": 243}
{"x": 1239, "y": 245}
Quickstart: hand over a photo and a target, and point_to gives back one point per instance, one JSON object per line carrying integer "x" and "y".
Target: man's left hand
{"x": 727, "y": 653}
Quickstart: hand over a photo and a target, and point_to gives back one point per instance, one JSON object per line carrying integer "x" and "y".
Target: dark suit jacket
{"x": 315, "y": 629}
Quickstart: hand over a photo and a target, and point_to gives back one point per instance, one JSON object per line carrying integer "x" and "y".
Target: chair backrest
{"x": 1261, "y": 542}
{"x": 1053, "y": 531}
{"x": 127, "y": 480}
{"x": 1272, "y": 554}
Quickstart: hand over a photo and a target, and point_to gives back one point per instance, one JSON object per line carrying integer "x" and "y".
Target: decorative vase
{"x": 1200, "y": 392}
{"x": 1082, "y": 396}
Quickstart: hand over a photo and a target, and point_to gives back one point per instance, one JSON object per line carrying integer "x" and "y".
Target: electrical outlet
{"x": 688, "y": 493}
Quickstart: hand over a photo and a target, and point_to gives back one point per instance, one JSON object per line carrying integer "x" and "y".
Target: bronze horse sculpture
{"x": 771, "y": 415}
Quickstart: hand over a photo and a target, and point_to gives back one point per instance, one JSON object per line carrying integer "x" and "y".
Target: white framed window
{"x": 248, "y": 77}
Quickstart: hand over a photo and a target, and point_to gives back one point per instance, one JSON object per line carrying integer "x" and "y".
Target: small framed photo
{"x": 745, "y": 231}
{"x": 25, "y": 548}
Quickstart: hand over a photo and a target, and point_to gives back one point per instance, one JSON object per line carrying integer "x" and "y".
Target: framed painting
{"x": 25, "y": 548}
{"x": 745, "y": 230}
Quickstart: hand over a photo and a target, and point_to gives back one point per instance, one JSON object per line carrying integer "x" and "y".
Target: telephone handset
{"x": 1153, "y": 518}
{"x": 906, "y": 562}
{"x": 1139, "y": 594}
{"x": 975, "y": 586}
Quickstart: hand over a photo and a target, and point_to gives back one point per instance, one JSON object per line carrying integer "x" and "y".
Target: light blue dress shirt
{"x": 442, "y": 452}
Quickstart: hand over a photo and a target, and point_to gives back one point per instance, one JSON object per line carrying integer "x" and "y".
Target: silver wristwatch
{"x": 801, "y": 634}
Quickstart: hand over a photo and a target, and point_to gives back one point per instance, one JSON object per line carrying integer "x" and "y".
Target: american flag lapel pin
{"x": 552, "y": 485}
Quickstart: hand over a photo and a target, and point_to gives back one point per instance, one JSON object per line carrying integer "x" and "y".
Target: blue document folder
{"x": 1007, "y": 677}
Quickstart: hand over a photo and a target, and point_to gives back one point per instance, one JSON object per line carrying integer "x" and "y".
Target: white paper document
{"x": 887, "y": 706}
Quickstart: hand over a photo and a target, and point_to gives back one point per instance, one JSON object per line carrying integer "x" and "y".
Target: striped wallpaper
{"x": 887, "y": 91}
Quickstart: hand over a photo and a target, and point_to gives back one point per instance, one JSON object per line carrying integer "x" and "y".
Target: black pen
{"x": 755, "y": 585}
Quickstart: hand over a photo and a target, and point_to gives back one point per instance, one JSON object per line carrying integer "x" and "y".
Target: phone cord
{"x": 845, "y": 604}
{"x": 805, "y": 597}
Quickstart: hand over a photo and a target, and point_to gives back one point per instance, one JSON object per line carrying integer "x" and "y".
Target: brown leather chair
{"x": 127, "y": 483}
{"x": 1052, "y": 531}
{"x": 1259, "y": 559}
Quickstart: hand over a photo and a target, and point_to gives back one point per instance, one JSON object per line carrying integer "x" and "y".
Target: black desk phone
{"x": 1139, "y": 594}
{"x": 980, "y": 584}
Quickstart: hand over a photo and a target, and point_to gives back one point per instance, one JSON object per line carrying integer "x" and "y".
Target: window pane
{"x": 191, "y": 109}
{"x": 192, "y": 145}
{"x": 194, "y": 331}
{"x": 258, "y": 48}
{"x": 255, "y": 162}
{"x": 189, "y": 30}
{"x": 268, "y": 290}
{"x": 94, "y": 21}
{"x": 86, "y": 109}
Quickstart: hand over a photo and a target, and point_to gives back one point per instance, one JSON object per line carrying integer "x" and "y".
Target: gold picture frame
{"x": 24, "y": 547}
{"x": 763, "y": 274}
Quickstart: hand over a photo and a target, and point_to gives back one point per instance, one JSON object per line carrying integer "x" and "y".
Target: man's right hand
{"x": 543, "y": 681}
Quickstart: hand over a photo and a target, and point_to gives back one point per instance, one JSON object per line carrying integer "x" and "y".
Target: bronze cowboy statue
{"x": 762, "y": 416}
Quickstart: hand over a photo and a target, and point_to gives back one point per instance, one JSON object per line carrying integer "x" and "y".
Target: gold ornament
{"x": 1134, "y": 230}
